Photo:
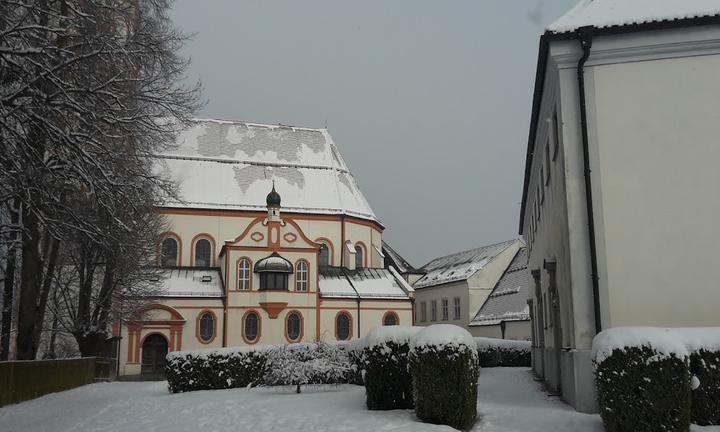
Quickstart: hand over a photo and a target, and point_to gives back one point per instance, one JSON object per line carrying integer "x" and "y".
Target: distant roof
{"x": 396, "y": 260}
{"x": 609, "y": 13}
{"x": 363, "y": 283}
{"x": 508, "y": 300}
{"x": 191, "y": 282}
{"x": 231, "y": 164}
{"x": 459, "y": 266}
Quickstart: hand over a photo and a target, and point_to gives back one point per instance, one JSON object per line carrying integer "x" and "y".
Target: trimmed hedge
{"x": 294, "y": 364}
{"x": 215, "y": 369}
{"x": 642, "y": 391}
{"x": 705, "y": 367}
{"x": 494, "y": 352}
{"x": 388, "y": 383}
{"x": 445, "y": 370}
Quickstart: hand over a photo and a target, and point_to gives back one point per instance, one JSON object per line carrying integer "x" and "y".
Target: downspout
{"x": 584, "y": 35}
{"x": 342, "y": 240}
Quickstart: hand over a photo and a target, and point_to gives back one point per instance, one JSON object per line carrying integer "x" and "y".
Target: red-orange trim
{"x": 212, "y": 248}
{"x": 273, "y": 309}
{"x": 247, "y": 230}
{"x": 242, "y": 329}
{"x": 307, "y": 265}
{"x": 237, "y": 273}
{"x": 365, "y": 252}
{"x": 335, "y": 324}
{"x": 397, "y": 318}
{"x": 330, "y": 246}
{"x": 174, "y": 314}
{"x": 177, "y": 238}
{"x": 302, "y": 325}
{"x": 142, "y": 342}
{"x": 197, "y": 326}
{"x": 299, "y": 230}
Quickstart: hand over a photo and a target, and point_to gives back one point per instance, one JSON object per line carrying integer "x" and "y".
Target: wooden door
{"x": 154, "y": 350}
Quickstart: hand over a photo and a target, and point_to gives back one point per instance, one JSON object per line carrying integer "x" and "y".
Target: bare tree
{"x": 84, "y": 88}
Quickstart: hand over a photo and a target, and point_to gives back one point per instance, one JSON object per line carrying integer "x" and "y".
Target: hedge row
{"x": 652, "y": 379}
{"x": 294, "y": 364}
{"x": 494, "y": 352}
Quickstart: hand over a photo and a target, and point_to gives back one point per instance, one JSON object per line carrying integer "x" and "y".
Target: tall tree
{"x": 87, "y": 89}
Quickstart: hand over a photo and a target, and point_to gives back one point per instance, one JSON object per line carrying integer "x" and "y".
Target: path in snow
{"x": 509, "y": 401}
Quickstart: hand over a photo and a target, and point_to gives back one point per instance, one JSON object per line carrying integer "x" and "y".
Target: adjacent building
{"x": 620, "y": 200}
{"x": 505, "y": 314}
{"x": 454, "y": 287}
{"x": 271, "y": 241}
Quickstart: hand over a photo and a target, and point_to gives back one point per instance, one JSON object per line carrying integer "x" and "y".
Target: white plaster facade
{"x": 653, "y": 121}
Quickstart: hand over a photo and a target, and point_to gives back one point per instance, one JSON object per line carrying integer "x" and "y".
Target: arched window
{"x": 206, "y": 330}
{"x": 293, "y": 324}
{"x": 301, "y": 276}
{"x": 324, "y": 255}
{"x": 169, "y": 252}
{"x": 203, "y": 251}
{"x": 251, "y": 327}
{"x": 342, "y": 326}
{"x": 390, "y": 319}
{"x": 244, "y": 274}
{"x": 359, "y": 261}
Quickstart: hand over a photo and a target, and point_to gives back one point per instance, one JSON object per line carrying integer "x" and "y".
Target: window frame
{"x": 392, "y": 314}
{"x": 300, "y": 273}
{"x": 301, "y": 326}
{"x": 266, "y": 277}
{"x": 238, "y": 280}
{"x": 330, "y": 251}
{"x": 345, "y": 314}
{"x": 193, "y": 252}
{"x": 457, "y": 308}
{"x": 360, "y": 248}
{"x": 433, "y": 310}
{"x": 445, "y": 309}
{"x": 199, "y": 323}
{"x": 178, "y": 249}
{"x": 258, "y": 325}
{"x": 423, "y": 311}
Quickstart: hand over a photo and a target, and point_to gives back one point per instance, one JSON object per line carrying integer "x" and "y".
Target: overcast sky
{"x": 428, "y": 102}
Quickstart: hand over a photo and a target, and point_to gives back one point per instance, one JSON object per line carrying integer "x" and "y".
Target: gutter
{"x": 584, "y": 36}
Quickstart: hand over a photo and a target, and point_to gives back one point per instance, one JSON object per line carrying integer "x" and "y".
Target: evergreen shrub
{"x": 445, "y": 370}
{"x": 642, "y": 390}
{"x": 388, "y": 383}
{"x": 215, "y": 369}
{"x": 705, "y": 367}
{"x": 493, "y": 352}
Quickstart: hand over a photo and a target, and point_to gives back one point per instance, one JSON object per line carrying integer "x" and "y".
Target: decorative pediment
{"x": 273, "y": 309}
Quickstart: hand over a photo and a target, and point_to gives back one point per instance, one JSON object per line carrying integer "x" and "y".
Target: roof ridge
{"x": 469, "y": 250}
{"x": 247, "y": 162}
{"x": 256, "y": 124}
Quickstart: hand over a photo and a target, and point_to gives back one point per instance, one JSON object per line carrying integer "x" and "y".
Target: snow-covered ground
{"x": 509, "y": 400}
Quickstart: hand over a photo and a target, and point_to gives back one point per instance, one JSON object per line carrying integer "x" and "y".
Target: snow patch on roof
{"x": 608, "y": 13}
{"x": 231, "y": 165}
{"x": 363, "y": 283}
{"x": 460, "y": 266}
{"x": 191, "y": 282}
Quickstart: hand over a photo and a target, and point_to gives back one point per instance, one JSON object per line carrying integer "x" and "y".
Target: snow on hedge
{"x": 484, "y": 343}
{"x": 383, "y": 335}
{"x": 443, "y": 335}
{"x": 666, "y": 342}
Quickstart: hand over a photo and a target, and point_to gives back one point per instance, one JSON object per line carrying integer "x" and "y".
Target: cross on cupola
{"x": 273, "y": 205}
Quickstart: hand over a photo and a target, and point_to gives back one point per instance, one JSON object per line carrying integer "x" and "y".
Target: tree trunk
{"x": 9, "y": 286}
{"x": 90, "y": 344}
{"x": 30, "y": 286}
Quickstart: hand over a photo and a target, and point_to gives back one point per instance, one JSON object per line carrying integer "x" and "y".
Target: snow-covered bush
{"x": 320, "y": 363}
{"x": 705, "y": 368}
{"x": 642, "y": 379}
{"x": 354, "y": 351}
{"x": 444, "y": 365}
{"x": 388, "y": 383}
{"x": 306, "y": 363}
{"x": 494, "y": 352}
{"x": 215, "y": 369}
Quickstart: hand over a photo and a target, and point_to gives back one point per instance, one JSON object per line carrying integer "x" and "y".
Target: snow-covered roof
{"x": 364, "y": 283}
{"x": 608, "y": 13}
{"x": 231, "y": 165}
{"x": 396, "y": 260}
{"x": 459, "y": 266}
{"x": 508, "y": 300}
{"x": 191, "y": 282}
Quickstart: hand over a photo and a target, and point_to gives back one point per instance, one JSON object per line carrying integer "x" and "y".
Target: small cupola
{"x": 273, "y": 204}
{"x": 273, "y": 263}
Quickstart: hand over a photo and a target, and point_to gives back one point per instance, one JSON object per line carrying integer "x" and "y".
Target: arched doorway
{"x": 154, "y": 350}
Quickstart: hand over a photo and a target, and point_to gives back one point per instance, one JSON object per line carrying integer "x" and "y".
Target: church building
{"x": 270, "y": 241}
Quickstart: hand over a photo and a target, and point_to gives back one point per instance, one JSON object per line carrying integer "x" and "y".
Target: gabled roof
{"x": 508, "y": 300}
{"x": 610, "y": 13}
{"x": 459, "y": 266}
{"x": 191, "y": 282}
{"x": 231, "y": 165}
{"x": 392, "y": 258}
{"x": 363, "y": 283}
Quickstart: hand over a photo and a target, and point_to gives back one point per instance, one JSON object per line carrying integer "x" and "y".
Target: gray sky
{"x": 428, "y": 102}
